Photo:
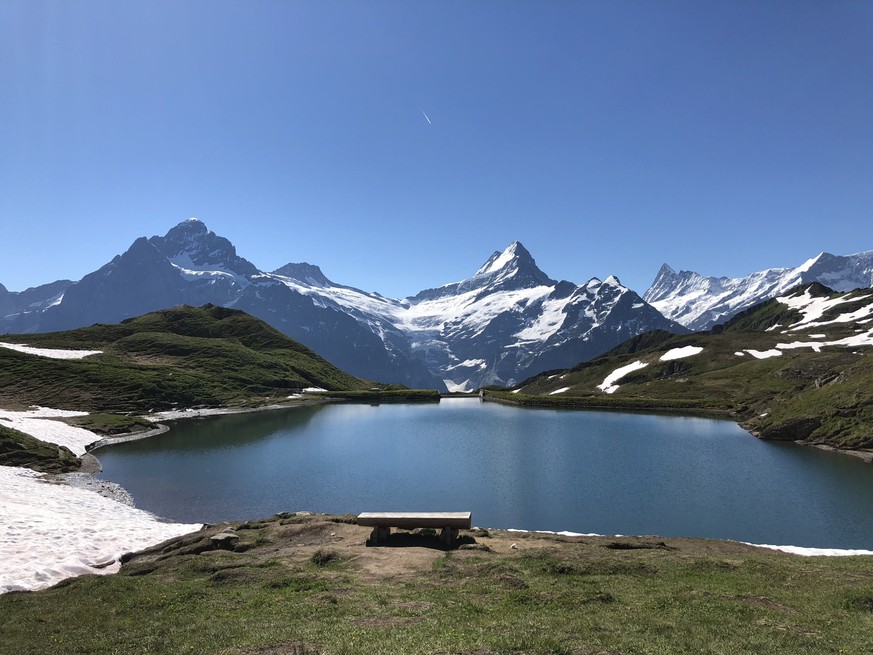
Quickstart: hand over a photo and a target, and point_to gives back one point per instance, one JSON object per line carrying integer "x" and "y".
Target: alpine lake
{"x": 532, "y": 469}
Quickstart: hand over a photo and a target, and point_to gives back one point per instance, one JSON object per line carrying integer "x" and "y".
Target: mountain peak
{"x": 305, "y": 273}
{"x": 514, "y": 267}
{"x": 188, "y": 226}
{"x": 192, "y": 245}
{"x": 514, "y": 253}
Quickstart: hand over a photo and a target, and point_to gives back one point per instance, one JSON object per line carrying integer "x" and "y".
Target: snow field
{"x": 54, "y": 531}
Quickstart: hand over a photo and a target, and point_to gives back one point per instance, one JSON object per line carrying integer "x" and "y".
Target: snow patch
{"x": 813, "y": 552}
{"x": 608, "y": 385}
{"x": 561, "y": 390}
{"x": 51, "y": 353}
{"x": 679, "y": 353}
{"x": 469, "y": 363}
{"x": 764, "y": 354}
{"x": 816, "y": 346}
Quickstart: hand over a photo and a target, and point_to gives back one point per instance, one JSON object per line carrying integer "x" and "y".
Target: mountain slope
{"x": 798, "y": 367}
{"x": 184, "y": 356}
{"x": 506, "y": 322}
{"x": 191, "y": 265}
{"x": 699, "y": 302}
{"x": 509, "y": 320}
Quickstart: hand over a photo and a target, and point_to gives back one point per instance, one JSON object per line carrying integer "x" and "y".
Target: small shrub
{"x": 323, "y": 557}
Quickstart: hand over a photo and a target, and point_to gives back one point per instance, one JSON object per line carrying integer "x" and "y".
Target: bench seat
{"x": 448, "y": 522}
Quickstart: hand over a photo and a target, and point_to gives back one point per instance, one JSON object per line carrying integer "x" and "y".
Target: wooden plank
{"x": 457, "y": 520}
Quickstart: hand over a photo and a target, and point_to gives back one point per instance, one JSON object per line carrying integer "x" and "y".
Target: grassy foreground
{"x": 307, "y": 584}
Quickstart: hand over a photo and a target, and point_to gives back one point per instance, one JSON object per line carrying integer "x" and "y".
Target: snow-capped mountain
{"x": 508, "y": 321}
{"x": 699, "y": 302}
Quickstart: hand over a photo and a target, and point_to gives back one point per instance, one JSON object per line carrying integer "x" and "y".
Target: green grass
{"x": 182, "y": 357}
{"x": 19, "y": 449}
{"x": 585, "y": 596}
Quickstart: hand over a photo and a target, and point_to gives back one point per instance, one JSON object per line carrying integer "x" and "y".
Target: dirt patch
{"x": 289, "y": 539}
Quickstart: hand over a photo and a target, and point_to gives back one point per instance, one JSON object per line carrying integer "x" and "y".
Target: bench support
{"x": 447, "y": 522}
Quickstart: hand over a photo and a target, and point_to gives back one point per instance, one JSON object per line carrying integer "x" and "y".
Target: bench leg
{"x": 448, "y": 536}
{"x": 379, "y": 535}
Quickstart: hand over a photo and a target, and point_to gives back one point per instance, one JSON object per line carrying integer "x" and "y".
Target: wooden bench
{"x": 448, "y": 522}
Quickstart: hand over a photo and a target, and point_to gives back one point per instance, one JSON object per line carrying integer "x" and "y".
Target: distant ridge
{"x": 699, "y": 302}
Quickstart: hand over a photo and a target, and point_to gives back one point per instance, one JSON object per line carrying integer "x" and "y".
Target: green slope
{"x": 823, "y": 397}
{"x": 19, "y": 449}
{"x": 179, "y": 357}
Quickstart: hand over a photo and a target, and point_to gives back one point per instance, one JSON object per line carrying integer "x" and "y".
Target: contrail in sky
{"x": 425, "y": 116}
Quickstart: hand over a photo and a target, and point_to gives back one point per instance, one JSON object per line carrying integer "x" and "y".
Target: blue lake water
{"x": 535, "y": 469}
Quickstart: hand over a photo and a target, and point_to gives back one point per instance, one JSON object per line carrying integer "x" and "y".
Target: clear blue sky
{"x": 607, "y": 136}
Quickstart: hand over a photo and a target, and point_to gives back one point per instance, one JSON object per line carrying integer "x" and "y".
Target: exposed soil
{"x": 306, "y": 536}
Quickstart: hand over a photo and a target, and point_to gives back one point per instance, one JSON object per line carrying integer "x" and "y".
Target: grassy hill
{"x": 307, "y": 585}
{"x": 179, "y": 357}
{"x": 800, "y": 368}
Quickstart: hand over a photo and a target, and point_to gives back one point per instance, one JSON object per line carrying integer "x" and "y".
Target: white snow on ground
{"x": 455, "y": 387}
{"x": 38, "y": 422}
{"x": 469, "y": 363}
{"x": 679, "y": 353}
{"x": 863, "y": 339}
{"x": 549, "y": 321}
{"x": 191, "y": 271}
{"x": 561, "y": 390}
{"x": 796, "y": 550}
{"x": 608, "y": 385}
{"x": 314, "y": 390}
{"x": 764, "y": 354}
{"x": 739, "y": 353}
{"x": 174, "y": 414}
{"x": 813, "y": 552}
{"x": 813, "y": 308}
{"x": 54, "y": 531}
{"x": 51, "y": 353}
{"x": 516, "y": 390}
{"x": 815, "y": 345}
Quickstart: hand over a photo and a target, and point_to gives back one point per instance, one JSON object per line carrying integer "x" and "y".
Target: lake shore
{"x": 81, "y": 528}
{"x": 579, "y": 404}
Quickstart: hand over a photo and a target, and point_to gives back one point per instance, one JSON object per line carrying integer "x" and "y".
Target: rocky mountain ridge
{"x": 699, "y": 302}
{"x": 508, "y": 321}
